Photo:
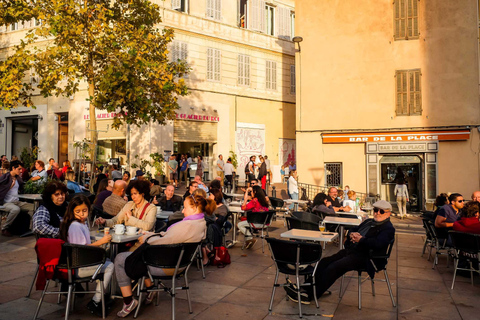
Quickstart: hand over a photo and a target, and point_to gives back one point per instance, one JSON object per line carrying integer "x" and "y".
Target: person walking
{"x": 173, "y": 166}
{"x": 221, "y": 169}
{"x": 199, "y": 171}
{"x": 293, "y": 187}
{"x": 262, "y": 172}
{"x": 401, "y": 193}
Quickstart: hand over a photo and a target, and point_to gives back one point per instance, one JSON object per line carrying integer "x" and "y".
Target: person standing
{"x": 116, "y": 174}
{"x": 250, "y": 169}
{"x": 183, "y": 169}
{"x": 269, "y": 172}
{"x": 199, "y": 171}
{"x": 229, "y": 172}
{"x": 262, "y": 173}
{"x": 401, "y": 193}
{"x": 173, "y": 166}
{"x": 221, "y": 169}
{"x": 293, "y": 186}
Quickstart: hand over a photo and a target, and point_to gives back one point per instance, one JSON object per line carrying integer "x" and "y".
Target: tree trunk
{"x": 93, "y": 123}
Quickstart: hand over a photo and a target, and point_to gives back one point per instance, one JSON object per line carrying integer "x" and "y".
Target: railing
{"x": 311, "y": 191}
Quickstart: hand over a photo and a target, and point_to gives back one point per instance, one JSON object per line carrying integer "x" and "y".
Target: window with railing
{"x": 333, "y": 174}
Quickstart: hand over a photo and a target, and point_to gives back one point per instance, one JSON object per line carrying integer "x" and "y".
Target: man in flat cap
{"x": 372, "y": 234}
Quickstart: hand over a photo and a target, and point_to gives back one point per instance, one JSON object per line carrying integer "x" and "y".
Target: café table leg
{"x": 235, "y": 220}
{"x": 113, "y": 282}
{"x": 341, "y": 235}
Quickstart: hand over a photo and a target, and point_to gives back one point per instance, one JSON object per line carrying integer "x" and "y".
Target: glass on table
{"x": 321, "y": 226}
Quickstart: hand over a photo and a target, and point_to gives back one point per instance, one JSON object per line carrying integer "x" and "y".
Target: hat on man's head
{"x": 382, "y": 204}
{"x": 139, "y": 173}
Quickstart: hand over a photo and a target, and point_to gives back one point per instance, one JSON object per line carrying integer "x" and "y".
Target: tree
{"x": 112, "y": 46}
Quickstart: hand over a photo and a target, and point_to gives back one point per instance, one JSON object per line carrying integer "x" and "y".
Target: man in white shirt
{"x": 228, "y": 170}
{"x": 201, "y": 185}
{"x": 293, "y": 187}
{"x": 267, "y": 163}
{"x": 221, "y": 169}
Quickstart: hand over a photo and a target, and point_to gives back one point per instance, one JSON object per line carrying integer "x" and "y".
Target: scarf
{"x": 55, "y": 213}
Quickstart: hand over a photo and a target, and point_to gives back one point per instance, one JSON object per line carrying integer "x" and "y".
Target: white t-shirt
{"x": 42, "y": 174}
{"x": 267, "y": 163}
{"x": 292, "y": 185}
{"x": 12, "y": 194}
{"x": 222, "y": 164}
{"x": 228, "y": 169}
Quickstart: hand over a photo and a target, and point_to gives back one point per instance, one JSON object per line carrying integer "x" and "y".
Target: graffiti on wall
{"x": 249, "y": 142}
{"x": 286, "y": 151}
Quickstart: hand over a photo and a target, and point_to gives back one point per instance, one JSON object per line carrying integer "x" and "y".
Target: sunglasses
{"x": 194, "y": 201}
{"x": 459, "y": 201}
{"x": 376, "y": 210}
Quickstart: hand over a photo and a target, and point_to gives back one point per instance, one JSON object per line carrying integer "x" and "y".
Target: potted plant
{"x": 29, "y": 155}
{"x": 142, "y": 166}
{"x": 158, "y": 165}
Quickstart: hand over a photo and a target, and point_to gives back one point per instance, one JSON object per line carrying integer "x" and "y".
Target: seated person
{"x": 116, "y": 201}
{"x": 352, "y": 196}
{"x": 322, "y": 204}
{"x": 170, "y": 201}
{"x": 138, "y": 212}
{"x": 259, "y": 203}
{"x": 55, "y": 173}
{"x": 469, "y": 222}
{"x": 191, "y": 229}
{"x": 191, "y": 188}
{"x": 252, "y": 183}
{"x": 155, "y": 189}
{"x": 332, "y": 197}
{"x": 215, "y": 184}
{"x": 72, "y": 185}
{"x": 47, "y": 218}
{"x": 104, "y": 191}
{"x": 74, "y": 230}
{"x": 39, "y": 174}
{"x": 448, "y": 214}
{"x": 200, "y": 183}
{"x": 372, "y": 234}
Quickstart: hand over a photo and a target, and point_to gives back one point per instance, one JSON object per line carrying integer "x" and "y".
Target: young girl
{"x": 74, "y": 230}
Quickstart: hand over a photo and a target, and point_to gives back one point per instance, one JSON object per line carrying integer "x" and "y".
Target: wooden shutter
{"x": 268, "y": 79}
{"x": 283, "y": 23}
{"x": 415, "y": 102}
{"x": 240, "y": 69}
{"x": 256, "y": 15}
{"x": 210, "y": 9}
{"x": 412, "y": 19}
{"x": 401, "y": 93}
{"x": 274, "y": 75}
{"x": 183, "y": 51}
{"x": 188, "y": 131}
{"x": 217, "y": 64}
{"x": 209, "y": 64}
{"x": 400, "y": 17}
{"x": 218, "y": 9}
{"x": 176, "y": 4}
{"x": 292, "y": 80}
{"x": 246, "y": 71}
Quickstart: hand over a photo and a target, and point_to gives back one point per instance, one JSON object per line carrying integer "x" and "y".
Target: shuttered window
{"x": 284, "y": 23}
{"x": 270, "y": 20}
{"x": 213, "y": 64}
{"x": 271, "y": 75}
{"x": 408, "y": 92}
{"x": 406, "y": 19}
{"x": 179, "y": 51}
{"x": 255, "y": 18}
{"x": 214, "y": 9}
{"x": 293, "y": 88}
{"x": 180, "y": 5}
{"x": 187, "y": 131}
{"x": 106, "y": 131}
{"x": 243, "y": 70}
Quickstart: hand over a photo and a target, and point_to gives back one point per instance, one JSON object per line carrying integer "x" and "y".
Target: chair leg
{"x": 430, "y": 251}
{"x": 263, "y": 249}
{"x": 158, "y": 294}
{"x": 69, "y": 301}
{"x": 141, "y": 286}
{"x": 454, "y": 272}
{"x": 299, "y": 297}
{"x": 373, "y": 287}
{"x": 33, "y": 282}
{"x": 315, "y": 291}
{"x": 359, "y": 291}
{"x": 103, "y": 299}
{"x": 188, "y": 295}
{"x": 471, "y": 272}
{"x": 201, "y": 263}
{"x": 273, "y": 291}
{"x": 41, "y": 300}
{"x": 341, "y": 286}
{"x": 389, "y": 287}
{"x": 173, "y": 298}
{"x": 424, "y": 246}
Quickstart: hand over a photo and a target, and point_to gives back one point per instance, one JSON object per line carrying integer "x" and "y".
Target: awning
{"x": 194, "y": 131}
{"x": 104, "y": 133}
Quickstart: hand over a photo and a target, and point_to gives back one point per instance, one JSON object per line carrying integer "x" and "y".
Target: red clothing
{"x": 468, "y": 225}
{"x": 254, "y": 206}
{"x": 48, "y": 253}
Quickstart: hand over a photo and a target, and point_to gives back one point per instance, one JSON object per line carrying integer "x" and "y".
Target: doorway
{"x": 412, "y": 169}
{"x": 62, "y": 138}
{"x": 24, "y": 134}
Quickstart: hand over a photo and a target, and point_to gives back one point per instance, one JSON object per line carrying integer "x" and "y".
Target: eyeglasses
{"x": 460, "y": 201}
{"x": 376, "y": 210}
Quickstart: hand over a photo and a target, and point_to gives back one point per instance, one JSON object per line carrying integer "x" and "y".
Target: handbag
{"x": 221, "y": 258}
{"x": 135, "y": 268}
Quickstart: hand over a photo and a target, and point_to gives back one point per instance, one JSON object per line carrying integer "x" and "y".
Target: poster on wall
{"x": 286, "y": 151}
{"x": 250, "y": 141}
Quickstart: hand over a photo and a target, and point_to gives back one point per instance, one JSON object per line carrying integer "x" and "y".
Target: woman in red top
{"x": 469, "y": 222}
{"x": 258, "y": 203}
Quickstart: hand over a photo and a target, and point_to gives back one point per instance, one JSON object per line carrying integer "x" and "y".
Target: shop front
{"x": 415, "y": 153}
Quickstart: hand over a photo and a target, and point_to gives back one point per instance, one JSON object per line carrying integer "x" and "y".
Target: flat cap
{"x": 382, "y": 204}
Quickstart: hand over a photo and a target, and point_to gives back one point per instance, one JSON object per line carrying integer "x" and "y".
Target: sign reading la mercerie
{"x": 421, "y": 136}
{"x": 199, "y": 117}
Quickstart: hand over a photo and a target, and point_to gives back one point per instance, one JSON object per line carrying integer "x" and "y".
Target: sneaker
{"x": 150, "y": 297}
{"x": 96, "y": 308}
{"x": 293, "y": 296}
{"x": 252, "y": 243}
{"x": 127, "y": 309}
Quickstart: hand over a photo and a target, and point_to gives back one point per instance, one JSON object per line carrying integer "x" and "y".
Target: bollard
{"x": 274, "y": 192}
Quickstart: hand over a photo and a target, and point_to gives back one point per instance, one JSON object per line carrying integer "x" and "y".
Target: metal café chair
{"x": 307, "y": 216}
{"x": 295, "y": 223}
{"x": 263, "y": 218}
{"x": 296, "y": 258}
{"x": 170, "y": 256}
{"x": 441, "y": 246}
{"x": 72, "y": 258}
{"x": 428, "y": 239}
{"x": 373, "y": 256}
{"x": 467, "y": 245}
{"x": 278, "y": 205}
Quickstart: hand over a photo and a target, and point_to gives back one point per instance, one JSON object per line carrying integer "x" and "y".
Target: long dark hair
{"x": 102, "y": 186}
{"x": 70, "y": 215}
{"x": 260, "y": 196}
{"x": 319, "y": 199}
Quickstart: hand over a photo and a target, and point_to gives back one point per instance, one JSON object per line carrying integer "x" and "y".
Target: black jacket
{"x": 173, "y": 205}
{"x": 5, "y": 183}
{"x": 375, "y": 242}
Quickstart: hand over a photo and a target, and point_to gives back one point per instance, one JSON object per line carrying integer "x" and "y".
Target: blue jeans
{"x": 294, "y": 196}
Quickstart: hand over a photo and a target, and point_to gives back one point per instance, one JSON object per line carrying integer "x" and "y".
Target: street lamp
{"x": 297, "y": 40}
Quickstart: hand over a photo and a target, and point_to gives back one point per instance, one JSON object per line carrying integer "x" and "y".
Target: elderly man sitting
{"x": 372, "y": 234}
{"x": 170, "y": 201}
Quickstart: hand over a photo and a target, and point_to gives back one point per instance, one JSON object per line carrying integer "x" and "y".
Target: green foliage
{"x": 34, "y": 187}
{"x": 84, "y": 147}
{"x": 112, "y": 45}
{"x": 29, "y": 155}
{"x": 142, "y": 165}
{"x": 157, "y": 163}
{"x": 233, "y": 156}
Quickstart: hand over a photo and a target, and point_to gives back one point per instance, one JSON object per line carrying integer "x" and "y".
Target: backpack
{"x": 221, "y": 258}
{"x": 247, "y": 168}
{"x": 21, "y": 224}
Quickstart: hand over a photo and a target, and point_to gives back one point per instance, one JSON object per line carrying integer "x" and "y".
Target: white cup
{"x": 119, "y": 229}
{"x": 131, "y": 230}
{"x": 159, "y": 210}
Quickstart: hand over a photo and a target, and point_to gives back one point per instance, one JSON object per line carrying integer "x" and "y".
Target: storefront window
{"x": 431, "y": 181}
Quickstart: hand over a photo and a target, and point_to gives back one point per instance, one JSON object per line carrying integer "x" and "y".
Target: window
{"x": 270, "y": 20}
{"x": 179, "y": 51}
{"x": 271, "y": 75}
{"x": 333, "y": 174}
{"x": 14, "y": 26}
{"x": 293, "y": 88}
{"x": 284, "y": 23}
{"x": 255, "y": 15}
{"x": 242, "y": 13}
{"x": 243, "y": 70}
{"x": 406, "y": 19}
{"x": 214, "y": 9}
{"x": 408, "y": 92}
{"x": 37, "y": 22}
{"x": 213, "y": 64}
{"x": 180, "y": 5}
{"x": 292, "y": 23}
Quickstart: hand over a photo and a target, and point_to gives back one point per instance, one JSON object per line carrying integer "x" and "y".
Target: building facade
{"x": 389, "y": 84}
{"x": 242, "y": 91}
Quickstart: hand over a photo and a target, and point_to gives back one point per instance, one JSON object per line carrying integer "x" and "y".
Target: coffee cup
{"x": 106, "y": 230}
{"x": 119, "y": 229}
{"x": 131, "y": 230}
